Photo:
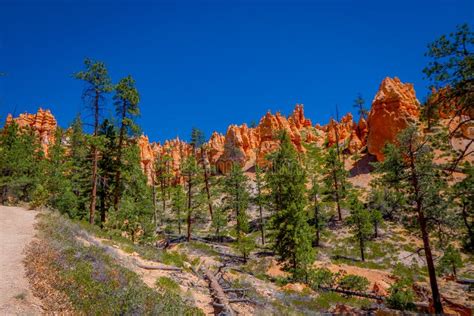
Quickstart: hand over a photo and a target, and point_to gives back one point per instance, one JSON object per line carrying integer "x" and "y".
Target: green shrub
{"x": 401, "y": 295}
{"x": 96, "y": 285}
{"x": 167, "y": 284}
{"x": 320, "y": 278}
{"x": 39, "y": 197}
{"x": 353, "y": 283}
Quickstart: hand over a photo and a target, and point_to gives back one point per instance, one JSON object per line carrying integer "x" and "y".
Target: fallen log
{"x": 236, "y": 290}
{"x": 218, "y": 292}
{"x": 164, "y": 268}
{"x": 354, "y": 293}
{"x": 465, "y": 281}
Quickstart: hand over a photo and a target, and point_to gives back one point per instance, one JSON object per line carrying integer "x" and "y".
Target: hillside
{"x": 283, "y": 217}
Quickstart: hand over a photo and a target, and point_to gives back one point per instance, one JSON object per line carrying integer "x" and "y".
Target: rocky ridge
{"x": 393, "y": 108}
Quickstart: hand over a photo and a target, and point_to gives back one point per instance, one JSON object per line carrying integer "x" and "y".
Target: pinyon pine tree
{"x": 409, "y": 167}
{"x": 292, "y": 235}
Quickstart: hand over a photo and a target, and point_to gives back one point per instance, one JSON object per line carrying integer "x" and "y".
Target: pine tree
{"x": 107, "y": 168}
{"x": 57, "y": 181}
{"x": 79, "y": 171}
{"x": 452, "y": 69}
{"x": 20, "y": 157}
{"x": 190, "y": 172}
{"x": 236, "y": 197}
{"x": 451, "y": 260}
{"x": 178, "y": 204}
{"x": 463, "y": 197}
{"x": 162, "y": 177}
{"x": 313, "y": 166}
{"x": 359, "y": 105}
{"x": 292, "y": 239}
{"x": 259, "y": 200}
{"x": 126, "y": 108}
{"x": 335, "y": 180}
{"x": 197, "y": 138}
{"x": 135, "y": 215}
{"x": 360, "y": 223}
{"x": 409, "y": 167}
{"x": 98, "y": 84}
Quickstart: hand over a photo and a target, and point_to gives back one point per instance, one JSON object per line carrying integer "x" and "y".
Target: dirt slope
{"x": 16, "y": 231}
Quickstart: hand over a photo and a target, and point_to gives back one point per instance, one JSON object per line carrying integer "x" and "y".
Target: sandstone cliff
{"x": 394, "y": 107}
{"x": 42, "y": 123}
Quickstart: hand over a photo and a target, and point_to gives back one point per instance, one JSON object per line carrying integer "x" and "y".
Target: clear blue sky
{"x": 210, "y": 64}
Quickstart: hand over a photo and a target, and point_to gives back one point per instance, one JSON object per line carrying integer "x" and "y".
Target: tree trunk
{"x": 425, "y": 236}
{"x": 163, "y": 200}
{"x": 429, "y": 261}
{"x": 206, "y": 183}
{"x": 316, "y": 221}
{"x": 119, "y": 158}
{"x": 262, "y": 224}
{"x": 468, "y": 226}
{"x": 189, "y": 209}
{"x": 336, "y": 189}
{"x": 95, "y": 160}
{"x": 361, "y": 244}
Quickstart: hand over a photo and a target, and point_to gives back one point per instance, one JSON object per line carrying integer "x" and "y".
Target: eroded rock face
{"x": 250, "y": 146}
{"x": 43, "y": 123}
{"x": 394, "y": 107}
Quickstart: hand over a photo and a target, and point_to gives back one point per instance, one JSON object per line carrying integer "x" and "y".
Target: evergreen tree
{"x": 313, "y": 166}
{"x": 178, "y": 204}
{"x": 463, "y": 197}
{"x": 335, "y": 180}
{"x": 197, "y": 138}
{"x": 98, "y": 84}
{"x": 451, "y": 260}
{"x": 162, "y": 177}
{"x": 126, "y": 108}
{"x": 79, "y": 171}
{"x": 259, "y": 200}
{"x": 292, "y": 239}
{"x": 20, "y": 157}
{"x": 190, "y": 172}
{"x": 107, "y": 168}
{"x": 57, "y": 181}
{"x": 359, "y": 103}
{"x": 135, "y": 214}
{"x": 410, "y": 165}
{"x": 219, "y": 223}
{"x": 206, "y": 168}
{"x": 360, "y": 223}
{"x": 236, "y": 197}
{"x": 452, "y": 68}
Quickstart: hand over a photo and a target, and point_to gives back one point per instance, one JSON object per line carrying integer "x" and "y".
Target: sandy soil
{"x": 16, "y": 231}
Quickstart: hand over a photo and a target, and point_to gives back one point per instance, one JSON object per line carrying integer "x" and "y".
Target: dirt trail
{"x": 16, "y": 231}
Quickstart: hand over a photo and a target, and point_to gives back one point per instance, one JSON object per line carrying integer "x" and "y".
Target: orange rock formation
{"x": 42, "y": 123}
{"x": 394, "y": 107}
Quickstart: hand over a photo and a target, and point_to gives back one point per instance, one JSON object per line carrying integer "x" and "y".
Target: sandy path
{"x": 16, "y": 231}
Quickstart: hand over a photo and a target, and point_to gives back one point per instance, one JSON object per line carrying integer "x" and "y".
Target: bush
{"x": 165, "y": 284}
{"x": 95, "y": 284}
{"x": 320, "y": 278}
{"x": 353, "y": 283}
{"x": 39, "y": 197}
{"x": 401, "y": 296}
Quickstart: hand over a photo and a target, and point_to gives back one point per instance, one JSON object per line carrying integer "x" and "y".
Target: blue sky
{"x": 211, "y": 64}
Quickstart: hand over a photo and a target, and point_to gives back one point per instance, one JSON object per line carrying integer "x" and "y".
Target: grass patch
{"x": 165, "y": 284}
{"x": 202, "y": 247}
{"x": 92, "y": 281}
{"x": 20, "y": 296}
